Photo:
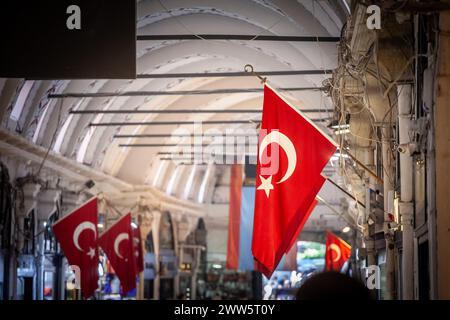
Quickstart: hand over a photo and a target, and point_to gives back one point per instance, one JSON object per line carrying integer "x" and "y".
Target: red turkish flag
{"x": 117, "y": 243}
{"x": 139, "y": 255}
{"x": 77, "y": 234}
{"x": 291, "y": 155}
{"x": 337, "y": 252}
{"x": 302, "y": 224}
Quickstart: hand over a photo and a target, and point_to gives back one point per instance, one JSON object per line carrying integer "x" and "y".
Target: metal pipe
{"x": 153, "y": 145}
{"x": 170, "y": 123}
{"x": 204, "y": 158}
{"x": 181, "y": 111}
{"x": 231, "y": 74}
{"x": 174, "y": 123}
{"x": 362, "y": 165}
{"x": 406, "y": 207}
{"x": 175, "y": 153}
{"x": 235, "y": 37}
{"x": 169, "y": 93}
{"x": 171, "y": 111}
{"x": 368, "y": 238}
{"x": 388, "y": 166}
{"x": 187, "y": 161}
{"x": 183, "y": 135}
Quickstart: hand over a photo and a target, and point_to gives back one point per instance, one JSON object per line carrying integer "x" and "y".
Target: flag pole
{"x": 109, "y": 204}
{"x": 359, "y": 163}
{"x": 353, "y": 225}
{"x": 345, "y": 191}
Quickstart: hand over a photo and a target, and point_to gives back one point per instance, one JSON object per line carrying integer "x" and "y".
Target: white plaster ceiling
{"x": 95, "y": 146}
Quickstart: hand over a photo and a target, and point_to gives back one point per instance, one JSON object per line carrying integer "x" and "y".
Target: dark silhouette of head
{"x": 332, "y": 286}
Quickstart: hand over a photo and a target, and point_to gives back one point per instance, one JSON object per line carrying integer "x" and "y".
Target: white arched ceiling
{"x": 96, "y": 147}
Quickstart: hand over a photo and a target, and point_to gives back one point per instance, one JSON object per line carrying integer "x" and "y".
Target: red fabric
{"x": 302, "y": 224}
{"x": 291, "y": 255}
{"x": 138, "y": 253}
{"x": 290, "y": 259}
{"x": 77, "y": 234}
{"x": 279, "y": 215}
{"x": 234, "y": 217}
{"x": 337, "y": 252}
{"x": 290, "y": 262}
{"x": 117, "y": 242}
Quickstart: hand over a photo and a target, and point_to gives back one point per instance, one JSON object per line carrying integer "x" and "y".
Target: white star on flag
{"x": 91, "y": 252}
{"x": 266, "y": 185}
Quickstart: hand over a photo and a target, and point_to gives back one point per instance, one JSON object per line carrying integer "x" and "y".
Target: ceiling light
{"x": 341, "y": 126}
{"x": 346, "y": 229}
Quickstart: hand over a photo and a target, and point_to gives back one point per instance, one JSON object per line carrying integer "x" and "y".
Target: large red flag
{"x": 337, "y": 252}
{"x": 290, "y": 260}
{"x": 139, "y": 255}
{"x": 77, "y": 235}
{"x": 302, "y": 223}
{"x": 291, "y": 155}
{"x": 117, "y": 242}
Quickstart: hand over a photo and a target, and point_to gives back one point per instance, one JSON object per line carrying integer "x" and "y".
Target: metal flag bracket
{"x": 249, "y": 68}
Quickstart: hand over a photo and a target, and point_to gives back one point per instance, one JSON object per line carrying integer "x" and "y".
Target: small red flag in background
{"x": 117, "y": 242}
{"x": 77, "y": 235}
{"x": 291, "y": 156}
{"x": 337, "y": 252}
{"x": 137, "y": 241}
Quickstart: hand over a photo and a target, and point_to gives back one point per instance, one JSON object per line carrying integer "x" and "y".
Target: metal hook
{"x": 249, "y": 68}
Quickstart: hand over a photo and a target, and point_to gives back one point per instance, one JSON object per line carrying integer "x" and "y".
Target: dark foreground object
{"x": 332, "y": 286}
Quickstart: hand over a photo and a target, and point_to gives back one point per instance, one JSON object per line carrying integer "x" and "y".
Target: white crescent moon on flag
{"x": 119, "y": 239}
{"x": 336, "y": 249}
{"x": 80, "y": 228}
{"x": 284, "y": 142}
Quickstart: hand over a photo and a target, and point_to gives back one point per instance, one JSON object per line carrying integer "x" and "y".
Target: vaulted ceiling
{"x": 26, "y": 110}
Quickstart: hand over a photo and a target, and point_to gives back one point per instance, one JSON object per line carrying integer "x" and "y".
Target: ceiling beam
{"x": 184, "y": 135}
{"x": 169, "y": 93}
{"x": 163, "y": 37}
{"x": 171, "y": 123}
{"x": 175, "y": 123}
{"x": 178, "y": 153}
{"x": 158, "y": 145}
{"x": 200, "y": 161}
{"x": 180, "y": 111}
{"x": 205, "y": 158}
